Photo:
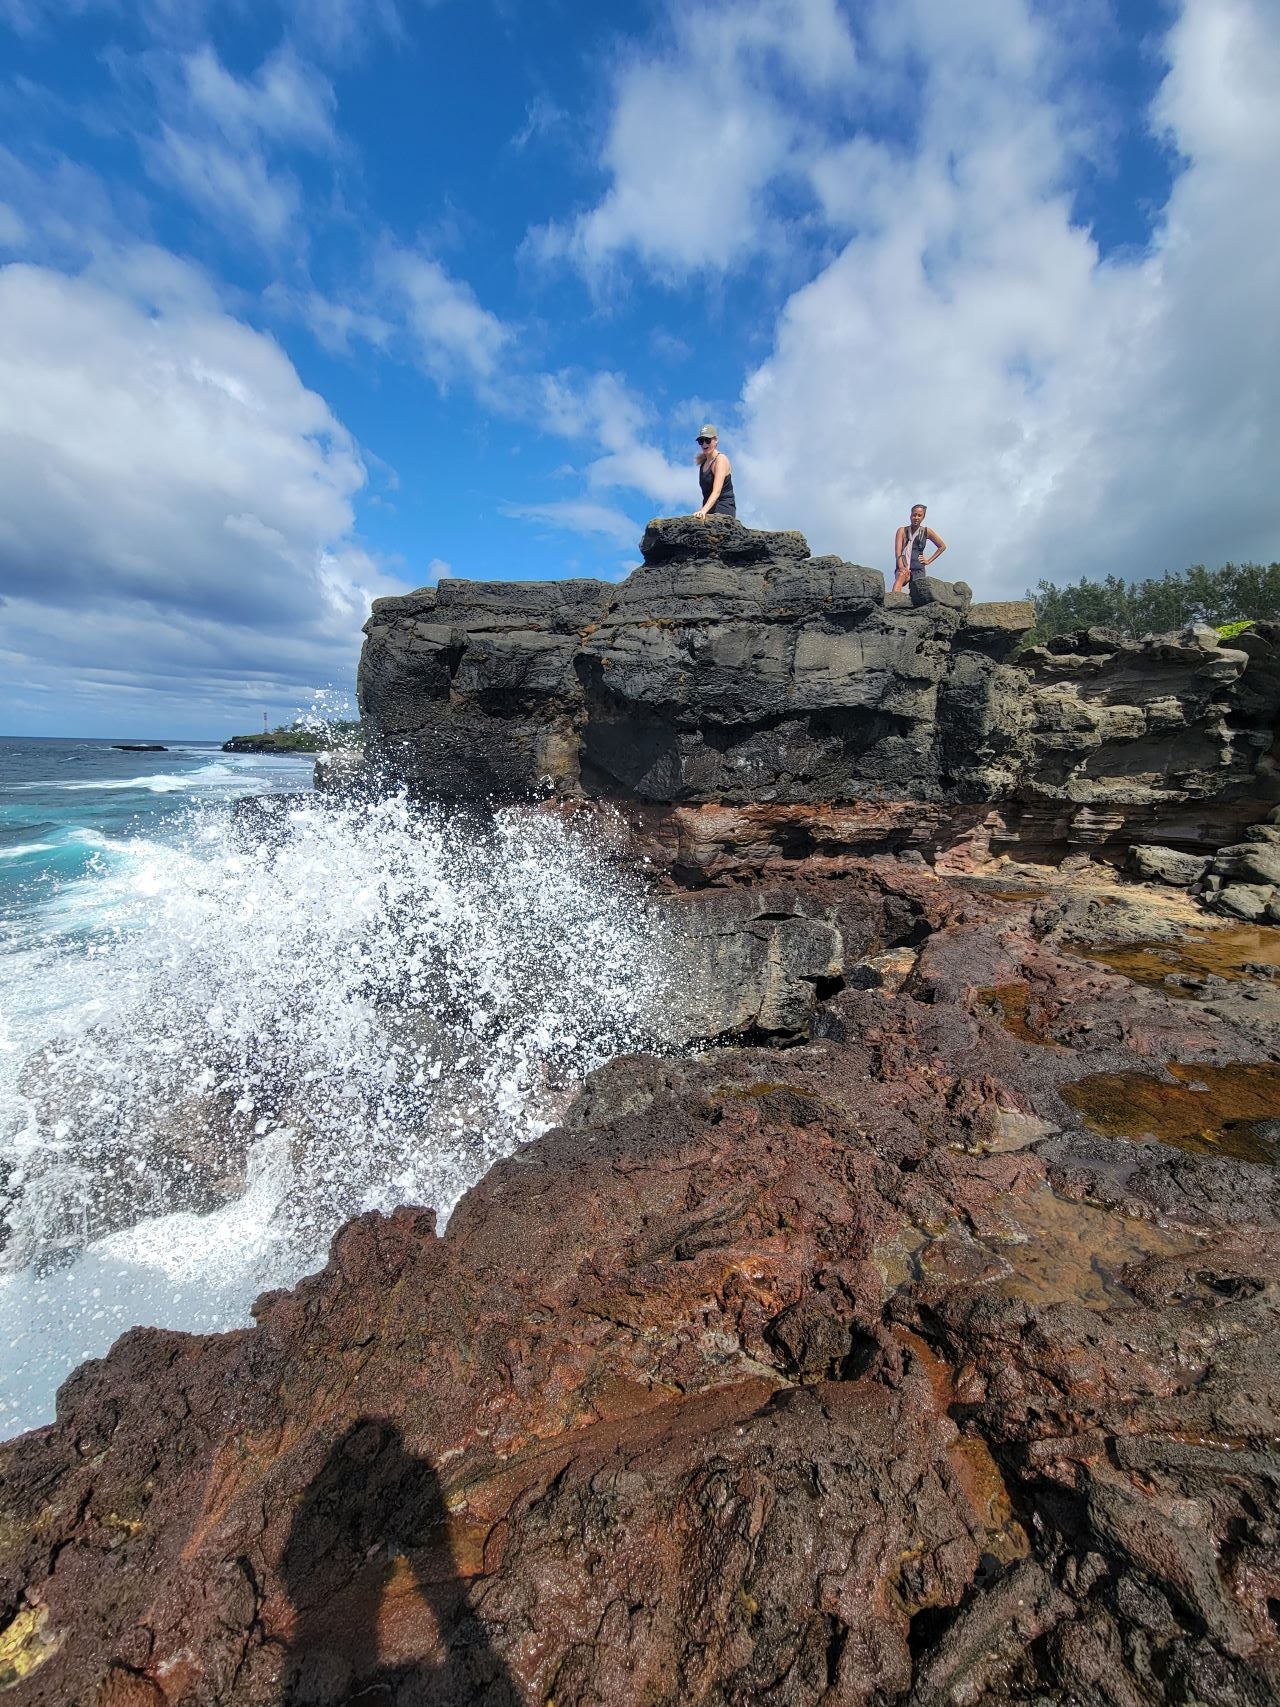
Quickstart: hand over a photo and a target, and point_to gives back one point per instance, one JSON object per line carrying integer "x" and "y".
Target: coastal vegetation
{"x": 1230, "y": 597}
{"x": 299, "y": 738}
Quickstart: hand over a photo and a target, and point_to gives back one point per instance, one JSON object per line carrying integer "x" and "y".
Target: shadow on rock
{"x": 383, "y": 1617}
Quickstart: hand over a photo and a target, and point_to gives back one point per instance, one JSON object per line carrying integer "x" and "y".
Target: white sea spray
{"x": 351, "y": 1006}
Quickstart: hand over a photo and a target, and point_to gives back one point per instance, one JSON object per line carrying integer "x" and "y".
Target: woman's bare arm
{"x": 722, "y": 472}
{"x": 940, "y": 544}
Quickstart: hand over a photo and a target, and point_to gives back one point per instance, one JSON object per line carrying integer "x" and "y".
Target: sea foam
{"x": 259, "y": 1038}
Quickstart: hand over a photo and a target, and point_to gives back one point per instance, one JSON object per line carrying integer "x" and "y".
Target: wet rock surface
{"x": 735, "y": 669}
{"x": 870, "y": 1369}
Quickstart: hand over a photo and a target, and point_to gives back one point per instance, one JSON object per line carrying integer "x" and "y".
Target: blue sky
{"x": 305, "y": 302}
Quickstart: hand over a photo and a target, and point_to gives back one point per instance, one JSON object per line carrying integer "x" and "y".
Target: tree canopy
{"x": 1237, "y": 592}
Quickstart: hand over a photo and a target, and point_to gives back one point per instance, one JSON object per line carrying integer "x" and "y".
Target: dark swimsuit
{"x": 917, "y": 553}
{"x": 726, "y": 504}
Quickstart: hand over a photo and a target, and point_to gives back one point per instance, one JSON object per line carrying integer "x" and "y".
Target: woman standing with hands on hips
{"x": 909, "y": 547}
{"x": 715, "y": 476}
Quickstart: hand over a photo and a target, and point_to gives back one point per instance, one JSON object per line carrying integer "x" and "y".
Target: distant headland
{"x": 297, "y": 738}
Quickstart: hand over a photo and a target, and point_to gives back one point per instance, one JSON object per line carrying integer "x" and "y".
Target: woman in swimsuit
{"x": 909, "y": 547}
{"x": 715, "y": 476}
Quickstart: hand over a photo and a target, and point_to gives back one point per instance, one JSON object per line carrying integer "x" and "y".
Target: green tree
{"x": 1237, "y": 592}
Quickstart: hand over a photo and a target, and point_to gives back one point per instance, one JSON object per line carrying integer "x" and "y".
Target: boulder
{"x": 928, "y": 590}
{"x": 762, "y": 960}
{"x": 1166, "y": 865}
{"x": 1002, "y": 616}
{"x": 1247, "y": 901}
{"x": 1249, "y": 862}
{"x": 686, "y": 539}
{"x": 343, "y": 772}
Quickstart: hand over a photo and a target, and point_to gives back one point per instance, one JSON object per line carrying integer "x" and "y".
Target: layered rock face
{"x": 734, "y": 668}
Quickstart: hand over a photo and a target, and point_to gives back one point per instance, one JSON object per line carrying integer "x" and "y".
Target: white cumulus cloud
{"x": 1061, "y": 412}
{"x": 601, "y": 411}
{"x": 452, "y": 332}
{"x": 580, "y": 515}
{"x": 176, "y": 507}
{"x": 699, "y": 131}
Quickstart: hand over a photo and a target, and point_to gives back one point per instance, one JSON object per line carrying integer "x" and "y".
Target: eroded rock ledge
{"x": 735, "y": 669}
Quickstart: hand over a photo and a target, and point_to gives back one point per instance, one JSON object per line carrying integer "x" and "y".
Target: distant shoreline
{"x": 345, "y": 732}
{"x": 278, "y": 741}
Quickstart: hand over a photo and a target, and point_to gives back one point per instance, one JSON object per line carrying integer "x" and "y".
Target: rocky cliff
{"x": 733, "y": 668}
{"x": 927, "y": 1357}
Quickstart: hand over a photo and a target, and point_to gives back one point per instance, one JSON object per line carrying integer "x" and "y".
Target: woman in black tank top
{"x": 909, "y": 546}
{"x": 715, "y": 476}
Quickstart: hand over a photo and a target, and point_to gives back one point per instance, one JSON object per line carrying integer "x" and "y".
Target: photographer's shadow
{"x": 371, "y": 1571}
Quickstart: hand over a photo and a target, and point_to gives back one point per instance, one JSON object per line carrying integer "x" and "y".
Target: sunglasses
{"x": 706, "y": 441}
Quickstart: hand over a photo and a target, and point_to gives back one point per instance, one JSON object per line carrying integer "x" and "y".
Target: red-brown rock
{"x": 854, "y": 1372}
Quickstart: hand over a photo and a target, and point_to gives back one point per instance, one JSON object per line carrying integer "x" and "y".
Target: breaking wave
{"x": 210, "y": 776}
{"x": 279, "y": 1020}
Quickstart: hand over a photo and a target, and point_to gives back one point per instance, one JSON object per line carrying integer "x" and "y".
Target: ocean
{"x": 222, "y": 1035}
{"x": 76, "y": 819}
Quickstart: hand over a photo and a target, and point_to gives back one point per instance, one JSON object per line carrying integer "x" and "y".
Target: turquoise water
{"x": 216, "y": 1045}
{"x": 67, "y": 807}
{"x": 75, "y": 818}
{"x": 81, "y": 826}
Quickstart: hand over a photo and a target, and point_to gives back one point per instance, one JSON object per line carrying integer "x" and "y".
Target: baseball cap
{"x": 708, "y": 432}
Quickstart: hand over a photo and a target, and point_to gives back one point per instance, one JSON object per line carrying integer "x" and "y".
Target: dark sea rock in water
{"x": 859, "y": 1371}
{"x": 138, "y": 747}
{"x": 735, "y": 669}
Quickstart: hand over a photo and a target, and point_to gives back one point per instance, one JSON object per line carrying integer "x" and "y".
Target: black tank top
{"x": 726, "y": 504}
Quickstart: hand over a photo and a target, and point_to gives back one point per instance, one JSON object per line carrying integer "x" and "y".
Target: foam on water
{"x": 216, "y": 775}
{"x": 240, "y": 1044}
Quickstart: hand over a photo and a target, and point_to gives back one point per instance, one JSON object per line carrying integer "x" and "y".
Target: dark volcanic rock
{"x": 896, "y": 1362}
{"x": 853, "y": 1373}
{"x": 733, "y": 668}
